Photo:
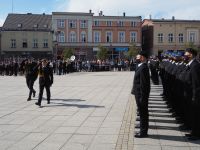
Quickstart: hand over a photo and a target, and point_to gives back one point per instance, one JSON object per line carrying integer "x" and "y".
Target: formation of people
{"x": 180, "y": 77}
{"x": 13, "y": 66}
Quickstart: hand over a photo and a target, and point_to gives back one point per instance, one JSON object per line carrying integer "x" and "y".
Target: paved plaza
{"x": 88, "y": 111}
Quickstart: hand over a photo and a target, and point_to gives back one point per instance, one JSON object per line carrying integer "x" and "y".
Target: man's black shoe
{"x": 141, "y": 135}
{"x": 183, "y": 127}
{"x": 48, "y": 102}
{"x": 38, "y": 104}
{"x": 193, "y": 138}
{"x": 34, "y": 92}
{"x": 138, "y": 119}
{"x": 28, "y": 99}
{"x": 188, "y": 135}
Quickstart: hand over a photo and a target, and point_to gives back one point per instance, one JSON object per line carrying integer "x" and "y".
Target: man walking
{"x": 45, "y": 80}
{"x": 141, "y": 90}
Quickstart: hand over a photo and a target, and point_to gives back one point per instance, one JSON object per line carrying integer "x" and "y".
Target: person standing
{"x": 193, "y": 78}
{"x": 141, "y": 90}
{"x": 45, "y": 80}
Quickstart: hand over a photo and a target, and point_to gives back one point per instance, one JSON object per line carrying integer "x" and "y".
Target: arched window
{"x": 61, "y": 37}
{"x": 72, "y": 36}
{"x": 83, "y": 37}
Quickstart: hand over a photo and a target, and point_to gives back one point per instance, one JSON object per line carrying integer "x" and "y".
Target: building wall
{"x": 172, "y": 27}
{"x": 29, "y": 35}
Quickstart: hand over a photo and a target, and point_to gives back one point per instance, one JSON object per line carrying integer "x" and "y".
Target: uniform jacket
{"x": 141, "y": 83}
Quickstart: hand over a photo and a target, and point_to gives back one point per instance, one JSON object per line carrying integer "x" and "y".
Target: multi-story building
{"x": 72, "y": 30}
{"x": 169, "y": 34}
{"x": 0, "y": 41}
{"x": 27, "y": 35}
{"x": 84, "y": 33}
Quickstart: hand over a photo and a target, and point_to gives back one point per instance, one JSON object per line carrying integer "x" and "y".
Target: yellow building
{"x": 169, "y": 34}
{"x": 27, "y": 35}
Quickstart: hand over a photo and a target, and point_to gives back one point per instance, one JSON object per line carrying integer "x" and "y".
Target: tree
{"x": 67, "y": 53}
{"x": 133, "y": 51}
{"x": 102, "y": 54}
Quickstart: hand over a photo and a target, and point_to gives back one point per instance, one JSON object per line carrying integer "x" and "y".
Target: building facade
{"x": 84, "y": 33}
{"x": 160, "y": 34}
{"x": 28, "y": 35}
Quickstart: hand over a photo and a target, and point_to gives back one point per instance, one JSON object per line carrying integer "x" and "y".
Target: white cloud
{"x": 157, "y": 8}
{"x": 1, "y": 22}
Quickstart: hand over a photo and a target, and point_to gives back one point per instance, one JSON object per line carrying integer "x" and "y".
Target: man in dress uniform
{"x": 141, "y": 90}
{"x": 31, "y": 76}
{"x": 45, "y": 80}
{"x": 194, "y": 81}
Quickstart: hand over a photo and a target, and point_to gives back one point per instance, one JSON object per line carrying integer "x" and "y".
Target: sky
{"x": 181, "y": 9}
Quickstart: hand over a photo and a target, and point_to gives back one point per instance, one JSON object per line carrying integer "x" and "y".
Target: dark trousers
{"x": 47, "y": 87}
{"x": 143, "y": 113}
{"x": 195, "y": 114}
{"x": 30, "y": 83}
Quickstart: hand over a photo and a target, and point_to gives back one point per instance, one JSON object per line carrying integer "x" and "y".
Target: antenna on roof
{"x": 12, "y": 6}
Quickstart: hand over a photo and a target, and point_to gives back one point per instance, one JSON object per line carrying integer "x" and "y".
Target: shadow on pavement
{"x": 73, "y": 105}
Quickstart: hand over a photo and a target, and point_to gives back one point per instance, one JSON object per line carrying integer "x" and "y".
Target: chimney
{"x": 124, "y": 14}
{"x": 101, "y": 13}
{"x": 150, "y": 17}
{"x": 90, "y": 11}
{"x": 173, "y": 18}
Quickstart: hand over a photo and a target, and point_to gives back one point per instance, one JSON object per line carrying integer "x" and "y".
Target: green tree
{"x": 133, "y": 50}
{"x": 67, "y": 53}
{"x": 102, "y": 54}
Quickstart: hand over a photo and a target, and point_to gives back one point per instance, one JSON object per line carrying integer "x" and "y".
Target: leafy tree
{"x": 133, "y": 50}
{"x": 67, "y": 53}
{"x": 102, "y": 54}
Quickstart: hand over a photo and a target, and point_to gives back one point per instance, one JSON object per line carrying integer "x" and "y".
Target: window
{"x": 35, "y": 43}
{"x": 61, "y": 23}
{"x": 83, "y": 37}
{"x": 96, "y": 23}
{"x": 192, "y": 36}
{"x": 180, "y": 38}
{"x": 108, "y": 36}
{"x": 121, "y": 37}
{"x": 72, "y": 36}
{"x": 24, "y": 43}
{"x": 61, "y": 37}
{"x": 13, "y": 43}
{"x": 97, "y": 37}
{"x": 83, "y": 24}
{"x": 19, "y": 25}
{"x": 133, "y": 24}
{"x": 160, "y": 38}
{"x": 170, "y": 38}
{"x": 121, "y": 23}
{"x": 45, "y": 43}
{"x": 72, "y": 23}
{"x": 109, "y": 23}
{"x": 133, "y": 37}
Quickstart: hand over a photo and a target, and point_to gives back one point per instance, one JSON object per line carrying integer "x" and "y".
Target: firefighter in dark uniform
{"x": 141, "y": 90}
{"x": 45, "y": 73}
{"x": 31, "y": 76}
{"x": 194, "y": 83}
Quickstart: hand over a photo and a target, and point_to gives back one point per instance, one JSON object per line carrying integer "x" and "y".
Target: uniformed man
{"x": 45, "y": 80}
{"x": 194, "y": 83}
{"x": 141, "y": 90}
{"x": 31, "y": 76}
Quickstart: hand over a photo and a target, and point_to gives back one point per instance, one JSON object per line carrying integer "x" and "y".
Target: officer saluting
{"x": 45, "y": 80}
{"x": 141, "y": 90}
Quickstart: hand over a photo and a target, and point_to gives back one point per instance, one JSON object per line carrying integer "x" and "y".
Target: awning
{"x": 121, "y": 49}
